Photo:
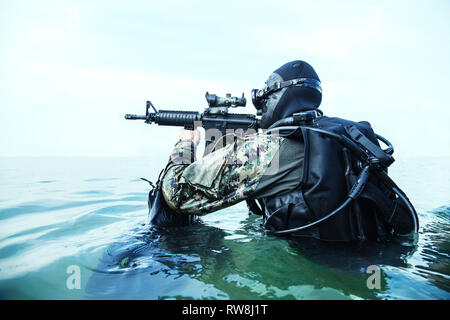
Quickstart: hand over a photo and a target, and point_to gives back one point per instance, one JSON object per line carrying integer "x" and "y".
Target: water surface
{"x": 90, "y": 213}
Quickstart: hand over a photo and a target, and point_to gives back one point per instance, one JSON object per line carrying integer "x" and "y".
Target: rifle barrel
{"x": 135, "y": 117}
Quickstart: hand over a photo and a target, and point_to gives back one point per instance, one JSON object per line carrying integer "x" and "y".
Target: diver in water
{"x": 306, "y": 174}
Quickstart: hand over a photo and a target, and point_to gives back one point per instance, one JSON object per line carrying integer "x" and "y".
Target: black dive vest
{"x": 330, "y": 171}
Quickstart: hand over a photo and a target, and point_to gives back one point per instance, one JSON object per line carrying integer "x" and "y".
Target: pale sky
{"x": 70, "y": 70}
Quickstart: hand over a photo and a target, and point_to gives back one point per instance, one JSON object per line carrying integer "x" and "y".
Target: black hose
{"x": 312, "y": 224}
{"x": 353, "y": 194}
{"x": 342, "y": 139}
{"x": 289, "y": 121}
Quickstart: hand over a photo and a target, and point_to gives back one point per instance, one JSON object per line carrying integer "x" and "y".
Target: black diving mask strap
{"x": 300, "y": 82}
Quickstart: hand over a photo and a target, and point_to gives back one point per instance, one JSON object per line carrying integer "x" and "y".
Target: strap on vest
{"x": 378, "y": 154}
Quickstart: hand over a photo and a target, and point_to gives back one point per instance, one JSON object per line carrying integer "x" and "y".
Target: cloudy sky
{"x": 70, "y": 70}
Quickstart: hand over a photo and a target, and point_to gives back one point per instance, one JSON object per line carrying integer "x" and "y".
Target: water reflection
{"x": 204, "y": 262}
{"x": 434, "y": 261}
{"x": 52, "y": 217}
{"x": 159, "y": 264}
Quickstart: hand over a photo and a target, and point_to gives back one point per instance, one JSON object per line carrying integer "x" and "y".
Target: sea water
{"x": 75, "y": 228}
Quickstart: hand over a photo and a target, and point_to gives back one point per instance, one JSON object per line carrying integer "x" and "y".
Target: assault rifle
{"x": 216, "y": 120}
